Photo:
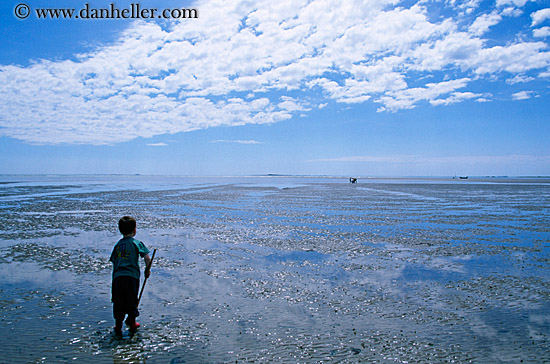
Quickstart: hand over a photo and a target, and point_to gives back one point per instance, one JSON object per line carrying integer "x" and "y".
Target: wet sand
{"x": 279, "y": 270}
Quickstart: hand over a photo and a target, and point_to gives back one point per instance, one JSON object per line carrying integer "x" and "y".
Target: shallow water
{"x": 279, "y": 270}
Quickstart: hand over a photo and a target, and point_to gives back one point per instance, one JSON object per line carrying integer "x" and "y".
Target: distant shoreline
{"x": 450, "y": 179}
{"x": 475, "y": 179}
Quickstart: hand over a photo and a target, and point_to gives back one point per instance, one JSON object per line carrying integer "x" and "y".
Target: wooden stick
{"x": 145, "y": 280}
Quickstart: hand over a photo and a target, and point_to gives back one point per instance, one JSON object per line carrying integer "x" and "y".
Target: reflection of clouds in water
{"x": 74, "y": 212}
{"x": 22, "y": 273}
{"x": 321, "y": 272}
{"x": 386, "y": 266}
{"x": 537, "y": 326}
{"x": 540, "y": 319}
{"x": 450, "y": 264}
{"x": 384, "y": 277}
{"x": 390, "y": 192}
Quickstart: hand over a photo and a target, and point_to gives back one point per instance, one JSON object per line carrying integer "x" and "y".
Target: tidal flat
{"x": 281, "y": 270}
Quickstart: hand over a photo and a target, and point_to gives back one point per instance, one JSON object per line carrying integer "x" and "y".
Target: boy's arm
{"x": 147, "y": 259}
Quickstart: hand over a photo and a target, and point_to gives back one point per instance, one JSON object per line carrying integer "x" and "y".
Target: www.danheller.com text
{"x": 134, "y": 11}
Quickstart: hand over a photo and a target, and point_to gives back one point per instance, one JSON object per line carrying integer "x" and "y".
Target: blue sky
{"x": 364, "y": 88}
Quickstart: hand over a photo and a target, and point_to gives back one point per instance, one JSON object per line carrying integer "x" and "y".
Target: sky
{"x": 312, "y": 87}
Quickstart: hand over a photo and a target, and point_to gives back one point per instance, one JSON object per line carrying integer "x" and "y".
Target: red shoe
{"x": 133, "y": 325}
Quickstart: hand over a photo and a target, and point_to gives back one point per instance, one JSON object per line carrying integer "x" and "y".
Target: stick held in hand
{"x": 145, "y": 280}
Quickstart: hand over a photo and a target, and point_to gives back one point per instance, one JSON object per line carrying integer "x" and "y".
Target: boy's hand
{"x": 148, "y": 262}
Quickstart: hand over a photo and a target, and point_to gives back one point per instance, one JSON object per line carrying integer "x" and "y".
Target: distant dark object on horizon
{"x": 352, "y": 180}
{"x": 461, "y": 177}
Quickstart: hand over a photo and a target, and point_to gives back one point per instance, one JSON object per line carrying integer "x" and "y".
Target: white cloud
{"x": 456, "y": 97}
{"x": 290, "y": 104}
{"x": 407, "y": 98}
{"x": 240, "y": 61}
{"x": 455, "y": 49}
{"x": 467, "y": 6}
{"x": 511, "y": 11}
{"x": 518, "y": 3}
{"x": 516, "y": 58}
{"x": 523, "y": 95}
{"x": 541, "y": 32}
{"x": 482, "y": 24}
{"x": 236, "y": 141}
{"x": 157, "y": 144}
{"x": 540, "y": 16}
{"x": 519, "y": 79}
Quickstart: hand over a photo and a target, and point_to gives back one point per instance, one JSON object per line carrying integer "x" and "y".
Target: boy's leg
{"x": 133, "y": 304}
{"x": 117, "y": 297}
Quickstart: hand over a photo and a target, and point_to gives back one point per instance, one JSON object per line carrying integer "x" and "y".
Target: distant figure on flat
{"x": 353, "y": 180}
{"x": 125, "y": 259}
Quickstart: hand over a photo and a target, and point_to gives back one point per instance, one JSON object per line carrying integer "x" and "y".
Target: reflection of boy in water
{"x": 125, "y": 259}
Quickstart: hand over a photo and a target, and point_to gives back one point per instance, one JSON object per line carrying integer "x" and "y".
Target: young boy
{"x": 125, "y": 259}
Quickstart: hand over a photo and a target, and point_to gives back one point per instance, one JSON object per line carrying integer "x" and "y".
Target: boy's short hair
{"x": 126, "y": 225}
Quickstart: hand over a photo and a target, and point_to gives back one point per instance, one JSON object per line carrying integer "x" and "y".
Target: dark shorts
{"x": 125, "y": 297}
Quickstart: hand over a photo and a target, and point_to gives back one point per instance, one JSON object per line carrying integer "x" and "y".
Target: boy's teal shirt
{"x": 125, "y": 257}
